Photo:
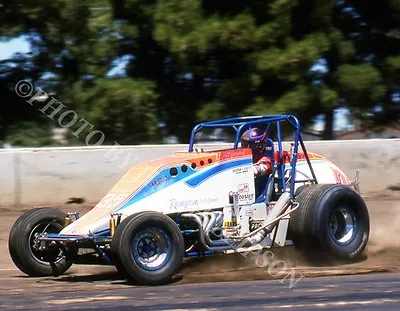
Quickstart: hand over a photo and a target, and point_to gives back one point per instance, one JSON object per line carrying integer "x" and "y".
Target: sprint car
{"x": 198, "y": 203}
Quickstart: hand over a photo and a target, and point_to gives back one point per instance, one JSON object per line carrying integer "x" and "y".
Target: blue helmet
{"x": 255, "y": 139}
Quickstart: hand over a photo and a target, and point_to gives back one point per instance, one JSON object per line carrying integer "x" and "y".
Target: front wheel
{"x": 149, "y": 246}
{"x": 331, "y": 218}
{"x": 24, "y": 247}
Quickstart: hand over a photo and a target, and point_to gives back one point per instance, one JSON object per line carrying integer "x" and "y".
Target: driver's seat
{"x": 264, "y": 183}
{"x": 270, "y": 150}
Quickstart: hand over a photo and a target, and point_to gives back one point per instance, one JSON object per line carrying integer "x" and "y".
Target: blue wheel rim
{"x": 343, "y": 225}
{"x": 152, "y": 248}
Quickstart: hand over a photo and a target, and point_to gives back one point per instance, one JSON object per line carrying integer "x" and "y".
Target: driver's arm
{"x": 263, "y": 167}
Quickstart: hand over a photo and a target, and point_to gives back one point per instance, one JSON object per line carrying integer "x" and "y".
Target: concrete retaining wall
{"x": 53, "y": 175}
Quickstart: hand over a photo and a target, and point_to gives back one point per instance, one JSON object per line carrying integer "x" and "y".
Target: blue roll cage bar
{"x": 240, "y": 124}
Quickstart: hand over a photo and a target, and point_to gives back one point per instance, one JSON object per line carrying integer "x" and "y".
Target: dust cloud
{"x": 382, "y": 253}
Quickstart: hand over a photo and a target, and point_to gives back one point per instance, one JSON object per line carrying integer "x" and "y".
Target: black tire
{"x": 140, "y": 236}
{"x": 29, "y": 260}
{"x": 330, "y": 218}
{"x": 300, "y": 190}
{"x": 297, "y": 192}
{"x": 117, "y": 262}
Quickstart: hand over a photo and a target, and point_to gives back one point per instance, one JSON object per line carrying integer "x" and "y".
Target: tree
{"x": 124, "y": 109}
{"x": 231, "y": 58}
{"x": 359, "y": 70}
{"x": 74, "y": 43}
{"x": 379, "y": 43}
{"x": 187, "y": 61}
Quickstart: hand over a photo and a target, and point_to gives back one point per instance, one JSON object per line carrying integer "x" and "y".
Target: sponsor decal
{"x": 244, "y": 188}
{"x": 190, "y": 203}
{"x": 311, "y": 156}
{"x": 246, "y": 196}
{"x": 227, "y": 154}
{"x": 151, "y": 191}
{"x": 339, "y": 177}
{"x": 240, "y": 170}
{"x": 230, "y": 223}
{"x": 159, "y": 181}
{"x": 249, "y": 212}
{"x": 242, "y": 194}
{"x": 364, "y": 241}
{"x": 112, "y": 200}
{"x": 156, "y": 184}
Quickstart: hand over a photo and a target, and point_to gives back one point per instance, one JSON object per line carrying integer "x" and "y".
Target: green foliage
{"x": 195, "y": 60}
{"x": 210, "y": 111}
{"x": 328, "y": 98}
{"x": 31, "y": 134}
{"x": 260, "y": 106}
{"x": 124, "y": 109}
{"x": 296, "y": 99}
{"x": 392, "y": 69}
{"x": 360, "y": 84}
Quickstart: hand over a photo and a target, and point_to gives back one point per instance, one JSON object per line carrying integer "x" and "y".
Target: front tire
{"x": 149, "y": 246}
{"x": 330, "y": 218}
{"x": 24, "y": 248}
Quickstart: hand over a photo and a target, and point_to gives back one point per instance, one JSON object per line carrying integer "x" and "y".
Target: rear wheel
{"x": 330, "y": 218}
{"x": 149, "y": 246}
{"x": 24, "y": 246}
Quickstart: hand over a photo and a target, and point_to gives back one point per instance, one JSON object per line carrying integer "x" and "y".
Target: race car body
{"x": 186, "y": 182}
{"x": 202, "y": 202}
{"x": 180, "y": 183}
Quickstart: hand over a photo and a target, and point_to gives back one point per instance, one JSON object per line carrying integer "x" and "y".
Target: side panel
{"x": 183, "y": 183}
{"x": 325, "y": 171}
{"x": 208, "y": 189}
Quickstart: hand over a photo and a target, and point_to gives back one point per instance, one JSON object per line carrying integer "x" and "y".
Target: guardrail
{"x": 53, "y": 175}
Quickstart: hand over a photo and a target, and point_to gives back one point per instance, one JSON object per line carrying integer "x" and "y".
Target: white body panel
{"x": 208, "y": 188}
{"x": 205, "y": 189}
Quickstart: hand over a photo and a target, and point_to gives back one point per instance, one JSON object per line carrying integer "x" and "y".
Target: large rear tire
{"x": 330, "y": 218}
{"x": 149, "y": 246}
{"x": 23, "y": 246}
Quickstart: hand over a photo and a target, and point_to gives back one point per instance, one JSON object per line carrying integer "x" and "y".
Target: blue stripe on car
{"x": 193, "y": 179}
{"x": 201, "y": 176}
{"x": 162, "y": 180}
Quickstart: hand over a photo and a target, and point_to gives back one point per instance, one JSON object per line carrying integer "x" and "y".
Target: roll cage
{"x": 240, "y": 124}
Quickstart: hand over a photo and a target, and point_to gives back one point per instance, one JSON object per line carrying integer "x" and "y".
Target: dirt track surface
{"x": 382, "y": 255}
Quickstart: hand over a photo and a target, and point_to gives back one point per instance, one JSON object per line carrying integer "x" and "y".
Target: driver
{"x": 256, "y": 140}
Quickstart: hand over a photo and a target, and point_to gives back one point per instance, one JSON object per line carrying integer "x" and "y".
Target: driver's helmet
{"x": 255, "y": 139}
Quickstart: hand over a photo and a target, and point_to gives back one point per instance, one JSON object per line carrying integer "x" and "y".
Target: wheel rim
{"x": 343, "y": 225}
{"x": 152, "y": 248}
{"x": 50, "y": 254}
